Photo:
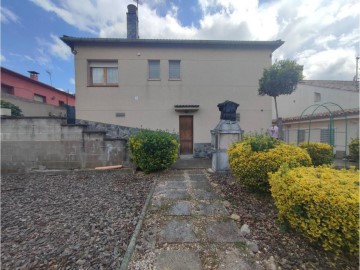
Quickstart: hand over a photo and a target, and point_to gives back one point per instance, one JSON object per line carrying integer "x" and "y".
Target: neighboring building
{"x": 172, "y": 85}
{"x": 320, "y": 98}
{"x": 33, "y": 97}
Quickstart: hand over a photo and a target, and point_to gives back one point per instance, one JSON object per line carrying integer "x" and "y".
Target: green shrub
{"x": 15, "y": 110}
{"x": 251, "y": 168}
{"x": 153, "y": 150}
{"x": 320, "y": 202}
{"x": 354, "y": 149}
{"x": 320, "y": 153}
{"x": 261, "y": 142}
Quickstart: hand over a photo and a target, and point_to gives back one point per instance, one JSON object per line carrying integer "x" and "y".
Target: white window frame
{"x": 105, "y": 66}
{"x": 174, "y": 71}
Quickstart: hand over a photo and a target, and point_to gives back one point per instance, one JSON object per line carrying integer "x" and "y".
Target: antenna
{"x": 357, "y": 72}
{"x": 48, "y": 72}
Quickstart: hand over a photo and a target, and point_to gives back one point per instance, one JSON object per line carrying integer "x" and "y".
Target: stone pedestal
{"x": 222, "y": 136}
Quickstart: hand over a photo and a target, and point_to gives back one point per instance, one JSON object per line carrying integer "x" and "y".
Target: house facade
{"x": 321, "y": 111}
{"x": 33, "y": 97}
{"x": 172, "y": 85}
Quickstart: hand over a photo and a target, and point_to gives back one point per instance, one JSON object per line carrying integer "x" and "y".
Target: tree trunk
{"x": 276, "y": 110}
{"x": 278, "y": 123}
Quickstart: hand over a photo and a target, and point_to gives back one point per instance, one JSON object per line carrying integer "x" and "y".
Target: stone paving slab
{"x": 165, "y": 193}
{"x": 198, "y": 177}
{"x": 172, "y": 185}
{"x": 176, "y": 177}
{"x": 182, "y": 208}
{"x": 177, "y": 232}
{"x": 204, "y": 209}
{"x": 200, "y": 194}
{"x": 224, "y": 231}
{"x": 204, "y": 185}
{"x": 178, "y": 260}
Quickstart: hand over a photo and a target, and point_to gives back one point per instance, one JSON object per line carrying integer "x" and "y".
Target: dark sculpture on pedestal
{"x": 228, "y": 110}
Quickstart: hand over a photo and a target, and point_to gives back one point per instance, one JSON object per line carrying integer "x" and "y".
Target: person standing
{"x": 274, "y": 131}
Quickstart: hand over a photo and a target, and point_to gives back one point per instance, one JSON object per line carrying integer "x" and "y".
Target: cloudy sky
{"x": 322, "y": 35}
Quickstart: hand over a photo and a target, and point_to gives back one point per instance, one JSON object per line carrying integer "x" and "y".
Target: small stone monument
{"x": 224, "y": 134}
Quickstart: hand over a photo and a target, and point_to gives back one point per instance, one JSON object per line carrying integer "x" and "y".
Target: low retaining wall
{"x": 49, "y": 143}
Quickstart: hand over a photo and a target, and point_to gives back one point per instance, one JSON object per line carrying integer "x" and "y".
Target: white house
{"x": 172, "y": 85}
{"x": 321, "y": 111}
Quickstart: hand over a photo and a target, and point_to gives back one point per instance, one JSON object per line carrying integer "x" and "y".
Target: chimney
{"x": 34, "y": 75}
{"x": 132, "y": 22}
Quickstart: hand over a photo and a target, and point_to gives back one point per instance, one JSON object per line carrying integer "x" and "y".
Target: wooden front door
{"x": 186, "y": 134}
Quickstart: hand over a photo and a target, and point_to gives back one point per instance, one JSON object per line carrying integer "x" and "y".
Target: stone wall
{"x": 49, "y": 143}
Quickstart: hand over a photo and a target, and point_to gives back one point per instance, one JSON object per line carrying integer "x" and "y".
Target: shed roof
{"x": 124, "y": 42}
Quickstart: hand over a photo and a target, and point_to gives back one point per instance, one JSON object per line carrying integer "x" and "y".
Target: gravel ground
{"x": 72, "y": 220}
{"x": 289, "y": 249}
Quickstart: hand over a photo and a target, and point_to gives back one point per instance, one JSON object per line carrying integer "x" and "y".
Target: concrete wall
{"x": 49, "y": 143}
{"x": 34, "y": 108}
{"x": 208, "y": 77}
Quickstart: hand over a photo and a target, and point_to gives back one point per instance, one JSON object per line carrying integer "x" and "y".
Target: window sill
{"x": 174, "y": 79}
{"x": 103, "y": 85}
{"x": 156, "y": 80}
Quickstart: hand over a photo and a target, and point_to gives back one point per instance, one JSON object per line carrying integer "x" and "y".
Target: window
{"x": 61, "y": 103}
{"x": 7, "y": 89}
{"x": 317, "y": 97}
{"x": 174, "y": 70}
{"x": 301, "y": 135}
{"x": 154, "y": 69}
{"x": 104, "y": 73}
{"x": 327, "y": 137}
{"x": 39, "y": 98}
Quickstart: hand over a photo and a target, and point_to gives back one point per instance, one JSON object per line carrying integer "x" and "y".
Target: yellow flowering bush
{"x": 320, "y": 202}
{"x": 252, "y": 167}
{"x": 320, "y": 153}
{"x": 153, "y": 150}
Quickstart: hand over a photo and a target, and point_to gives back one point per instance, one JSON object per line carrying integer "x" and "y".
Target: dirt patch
{"x": 73, "y": 220}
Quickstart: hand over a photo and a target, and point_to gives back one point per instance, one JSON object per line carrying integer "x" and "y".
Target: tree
{"x": 280, "y": 79}
{"x": 15, "y": 110}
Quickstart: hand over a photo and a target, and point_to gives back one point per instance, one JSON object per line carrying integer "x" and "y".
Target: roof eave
{"x": 73, "y": 41}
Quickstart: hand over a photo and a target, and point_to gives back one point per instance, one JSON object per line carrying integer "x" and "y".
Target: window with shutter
{"x": 174, "y": 70}
{"x": 154, "y": 69}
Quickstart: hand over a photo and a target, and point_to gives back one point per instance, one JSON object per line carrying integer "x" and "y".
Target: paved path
{"x": 187, "y": 226}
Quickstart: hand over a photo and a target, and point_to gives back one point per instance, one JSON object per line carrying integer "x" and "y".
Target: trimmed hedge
{"x": 153, "y": 150}
{"x": 320, "y": 202}
{"x": 251, "y": 168}
{"x": 320, "y": 153}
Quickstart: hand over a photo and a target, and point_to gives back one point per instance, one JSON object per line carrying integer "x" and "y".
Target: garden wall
{"x": 32, "y": 143}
